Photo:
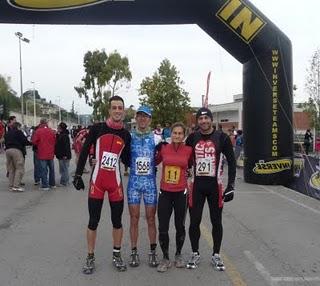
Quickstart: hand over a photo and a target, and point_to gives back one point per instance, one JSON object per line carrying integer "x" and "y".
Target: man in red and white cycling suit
{"x": 111, "y": 144}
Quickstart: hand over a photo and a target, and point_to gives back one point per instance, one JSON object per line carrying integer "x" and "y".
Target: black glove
{"x": 78, "y": 182}
{"x": 228, "y": 193}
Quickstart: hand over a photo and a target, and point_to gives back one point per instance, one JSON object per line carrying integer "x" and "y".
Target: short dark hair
{"x": 116, "y": 98}
{"x": 16, "y": 125}
{"x": 62, "y": 125}
{"x": 12, "y": 117}
{"x": 179, "y": 124}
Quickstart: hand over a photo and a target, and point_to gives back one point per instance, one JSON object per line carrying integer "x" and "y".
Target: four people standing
{"x": 204, "y": 151}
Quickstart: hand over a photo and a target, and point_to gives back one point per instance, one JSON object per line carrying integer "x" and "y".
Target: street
{"x": 271, "y": 237}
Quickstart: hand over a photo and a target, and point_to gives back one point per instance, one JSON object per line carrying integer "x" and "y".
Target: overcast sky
{"x": 53, "y": 59}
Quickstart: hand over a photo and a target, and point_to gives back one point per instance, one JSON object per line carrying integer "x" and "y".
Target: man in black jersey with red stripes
{"x": 209, "y": 146}
{"x": 111, "y": 144}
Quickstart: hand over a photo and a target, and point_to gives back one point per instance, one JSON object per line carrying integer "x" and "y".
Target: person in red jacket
{"x": 44, "y": 139}
{"x": 176, "y": 158}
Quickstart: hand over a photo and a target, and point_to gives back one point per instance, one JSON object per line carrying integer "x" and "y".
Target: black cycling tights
{"x": 199, "y": 198}
{"x": 168, "y": 201}
{"x": 95, "y": 207}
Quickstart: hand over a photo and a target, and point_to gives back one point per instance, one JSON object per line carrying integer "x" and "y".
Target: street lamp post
{"x": 27, "y": 112}
{"x": 59, "y": 110}
{"x": 34, "y": 105}
{"x": 21, "y": 38}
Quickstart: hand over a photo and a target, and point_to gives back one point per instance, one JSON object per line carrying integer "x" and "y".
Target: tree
{"x": 130, "y": 113}
{"x": 94, "y": 63}
{"x": 117, "y": 71}
{"x": 312, "y": 87}
{"x": 164, "y": 94}
{"x": 7, "y": 97}
{"x": 102, "y": 70}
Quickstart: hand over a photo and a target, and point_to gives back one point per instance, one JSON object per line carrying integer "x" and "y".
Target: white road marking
{"x": 291, "y": 200}
{"x": 261, "y": 269}
{"x": 273, "y": 281}
{"x": 252, "y": 192}
{"x": 296, "y": 279}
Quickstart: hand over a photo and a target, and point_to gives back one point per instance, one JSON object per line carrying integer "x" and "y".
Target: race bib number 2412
{"x": 109, "y": 161}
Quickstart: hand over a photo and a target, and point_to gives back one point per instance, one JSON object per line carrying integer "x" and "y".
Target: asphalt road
{"x": 271, "y": 237}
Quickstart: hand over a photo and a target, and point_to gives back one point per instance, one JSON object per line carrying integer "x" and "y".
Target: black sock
{"x": 153, "y": 246}
{"x": 116, "y": 251}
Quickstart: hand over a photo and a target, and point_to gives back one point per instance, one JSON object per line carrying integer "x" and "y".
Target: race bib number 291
{"x": 109, "y": 161}
{"x": 205, "y": 167}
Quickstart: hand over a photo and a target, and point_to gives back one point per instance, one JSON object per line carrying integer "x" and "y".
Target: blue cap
{"x": 145, "y": 109}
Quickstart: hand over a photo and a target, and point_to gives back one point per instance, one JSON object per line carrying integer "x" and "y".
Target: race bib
{"x": 143, "y": 166}
{"x": 205, "y": 167}
{"x": 109, "y": 161}
{"x": 172, "y": 174}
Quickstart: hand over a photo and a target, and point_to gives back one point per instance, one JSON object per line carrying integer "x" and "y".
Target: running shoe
{"x": 194, "y": 260}
{"x": 179, "y": 261}
{"x": 164, "y": 265}
{"x": 134, "y": 258}
{"x": 217, "y": 262}
{"x": 17, "y": 189}
{"x": 118, "y": 263}
{"x": 153, "y": 259}
{"x": 89, "y": 266}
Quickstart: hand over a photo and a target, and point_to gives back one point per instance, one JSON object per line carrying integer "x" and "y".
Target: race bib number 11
{"x": 172, "y": 174}
{"x": 109, "y": 161}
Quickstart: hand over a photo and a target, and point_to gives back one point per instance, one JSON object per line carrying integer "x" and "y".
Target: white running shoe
{"x": 193, "y": 261}
{"x": 217, "y": 262}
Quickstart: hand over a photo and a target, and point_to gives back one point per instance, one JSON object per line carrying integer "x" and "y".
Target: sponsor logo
{"x": 92, "y": 190}
{"x": 272, "y": 167}
{"x": 46, "y": 5}
{"x": 298, "y": 166}
{"x": 241, "y": 19}
{"x": 315, "y": 179}
{"x": 119, "y": 142}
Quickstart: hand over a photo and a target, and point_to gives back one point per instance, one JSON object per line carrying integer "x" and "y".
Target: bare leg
{"x": 91, "y": 240}
{"x": 117, "y": 236}
{"x": 152, "y": 231}
{"x": 134, "y": 211}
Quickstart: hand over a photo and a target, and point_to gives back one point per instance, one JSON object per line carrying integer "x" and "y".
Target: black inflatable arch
{"x": 236, "y": 25}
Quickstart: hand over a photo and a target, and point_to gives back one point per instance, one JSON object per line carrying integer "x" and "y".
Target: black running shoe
{"x": 118, "y": 263}
{"x": 134, "y": 259}
{"x": 153, "y": 259}
{"x": 89, "y": 266}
